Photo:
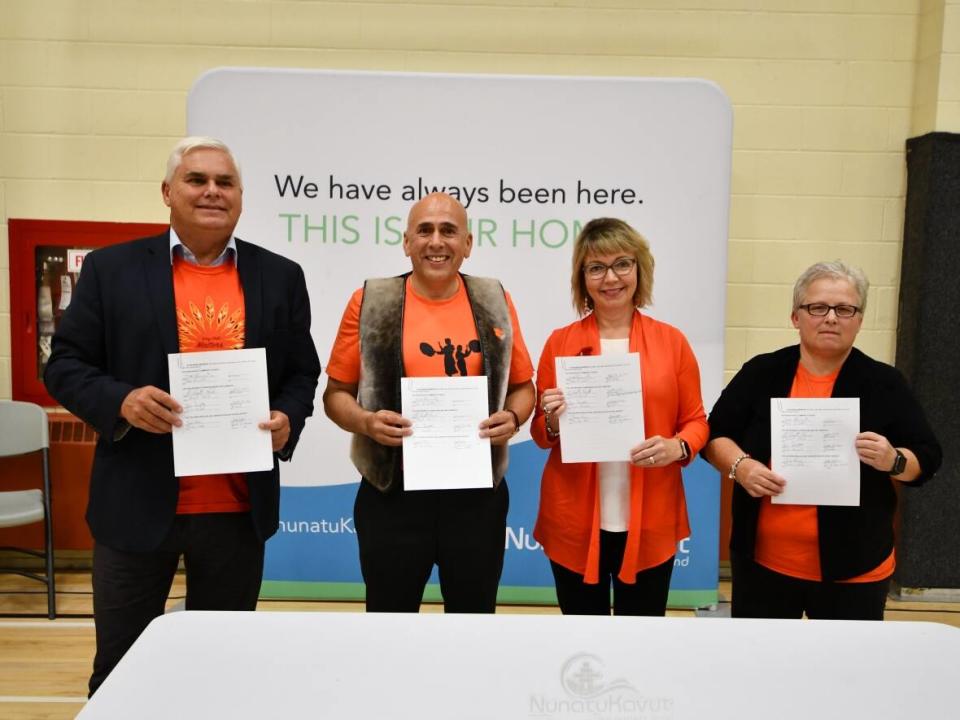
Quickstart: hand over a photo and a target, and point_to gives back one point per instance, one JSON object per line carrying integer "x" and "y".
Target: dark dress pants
{"x": 403, "y": 534}
{"x": 759, "y": 592}
{"x": 223, "y": 558}
{"x": 646, "y": 596}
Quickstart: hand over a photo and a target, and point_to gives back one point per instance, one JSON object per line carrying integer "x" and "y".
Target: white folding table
{"x": 456, "y": 667}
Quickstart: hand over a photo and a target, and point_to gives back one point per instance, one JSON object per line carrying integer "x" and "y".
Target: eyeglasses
{"x": 621, "y": 267}
{"x": 822, "y": 310}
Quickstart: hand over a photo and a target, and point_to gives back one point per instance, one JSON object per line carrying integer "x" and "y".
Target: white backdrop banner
{"x": 332, "y": 162}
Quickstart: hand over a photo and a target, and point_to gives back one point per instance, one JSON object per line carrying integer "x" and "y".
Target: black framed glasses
{"x": 822, "y": 309}
{"x": 621, "y": 268}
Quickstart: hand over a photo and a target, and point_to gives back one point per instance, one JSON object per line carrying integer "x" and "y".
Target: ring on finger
{"x": 651, "y": 459}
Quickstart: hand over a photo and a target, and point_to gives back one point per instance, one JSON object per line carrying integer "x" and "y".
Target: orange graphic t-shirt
{"x": 439, "y": 338}
{"x": 210, "y": 316}
{"x": 788, "y": 536}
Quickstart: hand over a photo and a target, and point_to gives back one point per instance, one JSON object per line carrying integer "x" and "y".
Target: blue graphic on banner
{"x": 317, "y": 542}
{"x": 698, "y": 558}
{"x": 525, "y": 564}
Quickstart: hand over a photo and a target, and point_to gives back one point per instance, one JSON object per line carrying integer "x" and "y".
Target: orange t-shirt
{"x": 788, "y": 535}
{"x": 210, "y": 316}
{"x": 439, "y": 338}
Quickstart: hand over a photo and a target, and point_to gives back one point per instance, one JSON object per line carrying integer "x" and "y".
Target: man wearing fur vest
{"x": 432, "y": 321}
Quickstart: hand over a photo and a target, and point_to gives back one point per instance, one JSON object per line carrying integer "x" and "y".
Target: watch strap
{"x": 899, "y": 463}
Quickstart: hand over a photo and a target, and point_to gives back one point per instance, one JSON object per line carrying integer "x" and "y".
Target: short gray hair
{"x": 836, "y": 270}
{"x": 197, "y": 142}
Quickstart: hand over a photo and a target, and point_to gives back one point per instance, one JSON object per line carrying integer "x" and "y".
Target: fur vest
{"x": 381, "y": 365}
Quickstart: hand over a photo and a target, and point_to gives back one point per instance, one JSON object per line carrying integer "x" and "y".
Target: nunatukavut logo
{"x": 587, "y": 692}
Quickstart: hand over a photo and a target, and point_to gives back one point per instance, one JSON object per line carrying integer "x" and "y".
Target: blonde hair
{"x": 607, "y": 236}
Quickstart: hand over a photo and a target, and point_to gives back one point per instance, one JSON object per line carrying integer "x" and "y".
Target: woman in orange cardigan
{"x": 618, "y": 522}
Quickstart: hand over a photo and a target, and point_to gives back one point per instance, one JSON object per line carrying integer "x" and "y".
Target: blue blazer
{"x": 115, "y": 336}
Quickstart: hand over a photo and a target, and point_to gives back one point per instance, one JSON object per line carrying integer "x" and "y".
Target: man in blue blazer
{"x": 195, "y": 287}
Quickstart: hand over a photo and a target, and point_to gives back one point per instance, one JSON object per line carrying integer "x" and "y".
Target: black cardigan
{"x": 853, "y": 540}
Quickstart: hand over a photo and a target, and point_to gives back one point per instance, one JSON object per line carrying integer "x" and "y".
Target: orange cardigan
{"x": 568, "y": 523}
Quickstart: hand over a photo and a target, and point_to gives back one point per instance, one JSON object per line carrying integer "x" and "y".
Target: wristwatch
{"x": 684, "y": 449}
{"x": 899, "y": 463}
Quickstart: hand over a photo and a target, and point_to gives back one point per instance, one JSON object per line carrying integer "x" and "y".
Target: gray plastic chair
{"x": 24, "y": 429}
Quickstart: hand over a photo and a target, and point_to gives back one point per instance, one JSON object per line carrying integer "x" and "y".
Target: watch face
{"x": 900, "y": 464}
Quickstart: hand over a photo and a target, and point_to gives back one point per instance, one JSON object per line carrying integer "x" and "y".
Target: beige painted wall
{"x": 825, "y": 92}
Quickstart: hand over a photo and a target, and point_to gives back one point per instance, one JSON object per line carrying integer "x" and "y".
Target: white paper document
{"x": 224, "y": 396}
{"x": 813, "y": 446}
{"x": 604, "y": 415}
{"x": 445, "y": 451}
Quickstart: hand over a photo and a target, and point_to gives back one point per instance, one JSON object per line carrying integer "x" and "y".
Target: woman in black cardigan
{"x": 830, "y": 562}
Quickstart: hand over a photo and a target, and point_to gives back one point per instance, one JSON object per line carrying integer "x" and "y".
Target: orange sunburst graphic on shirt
{"x": 207, "y": 328}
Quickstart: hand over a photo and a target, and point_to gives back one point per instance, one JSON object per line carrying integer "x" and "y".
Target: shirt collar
{"x": 177, "y": 247}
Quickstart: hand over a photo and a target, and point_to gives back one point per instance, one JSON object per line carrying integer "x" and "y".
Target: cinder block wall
{"x": 825, "y": 92}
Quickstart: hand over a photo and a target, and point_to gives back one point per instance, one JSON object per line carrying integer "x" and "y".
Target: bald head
{"x": 437, "y": 202}
{"x": 437, "y": 241}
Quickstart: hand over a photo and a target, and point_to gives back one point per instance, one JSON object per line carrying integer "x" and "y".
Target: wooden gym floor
{"x": 44, "y": 665}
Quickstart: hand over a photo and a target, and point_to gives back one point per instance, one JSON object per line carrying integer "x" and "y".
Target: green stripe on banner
{"x": 692, "y": 598}
{"x": 300, "y": 590}
{"x": 513, "y": 595}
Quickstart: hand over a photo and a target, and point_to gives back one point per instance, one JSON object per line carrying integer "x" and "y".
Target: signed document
{"x": 813, "y": 446}
{"x": 445, "y": 451}
{"x": 224, "y": 397}
{"x": 604, "y": 415}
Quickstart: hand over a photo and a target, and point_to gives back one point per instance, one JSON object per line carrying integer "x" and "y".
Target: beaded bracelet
{"x": 736, "y": 464}
{"x": 551, "y": 435}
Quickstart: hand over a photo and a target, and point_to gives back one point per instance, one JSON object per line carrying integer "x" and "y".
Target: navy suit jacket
{"x": 115, "y": 336}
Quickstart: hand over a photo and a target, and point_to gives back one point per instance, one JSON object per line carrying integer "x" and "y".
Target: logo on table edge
{"x": 587, "y": 693}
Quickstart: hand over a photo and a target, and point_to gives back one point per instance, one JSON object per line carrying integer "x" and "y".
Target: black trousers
{"x": 647, "y": 596}
{"x": 759, "y": 592}
{"x": 223, "y": 558}
{"x": 403, "y": 534}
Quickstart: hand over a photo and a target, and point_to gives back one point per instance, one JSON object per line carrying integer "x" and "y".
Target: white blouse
{"x": 614, "y": 476}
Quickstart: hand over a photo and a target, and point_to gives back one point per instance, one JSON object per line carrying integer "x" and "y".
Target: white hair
{"x": 837, "y": 270}
{"x": 197, "y": 142}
